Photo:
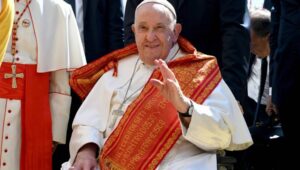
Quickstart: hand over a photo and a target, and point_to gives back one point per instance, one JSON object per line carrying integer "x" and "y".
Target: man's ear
{"x": 132, "y": 28}
{"x": 177, "y": 31}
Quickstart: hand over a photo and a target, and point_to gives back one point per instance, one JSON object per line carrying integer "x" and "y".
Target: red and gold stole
{"x": 150, "y": 125}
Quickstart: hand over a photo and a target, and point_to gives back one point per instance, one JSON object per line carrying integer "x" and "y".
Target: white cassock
{"x": 216, "y": 124}
{"x": 52, "y": 41}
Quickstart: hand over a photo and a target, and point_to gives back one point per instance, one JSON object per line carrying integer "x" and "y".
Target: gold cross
{"x": 14, "y": 75}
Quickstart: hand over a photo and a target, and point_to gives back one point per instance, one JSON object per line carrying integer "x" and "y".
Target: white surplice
{"x": 216, "y": 124}
{"x": 55, "y": 49}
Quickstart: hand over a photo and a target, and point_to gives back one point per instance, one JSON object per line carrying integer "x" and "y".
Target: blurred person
{"x": 266, "y": 152}
{"x": 285, "y": 76}
{"x": 34, "y": 78}
{"x": 258, "y": 69}
{"x": 100, "y": 24}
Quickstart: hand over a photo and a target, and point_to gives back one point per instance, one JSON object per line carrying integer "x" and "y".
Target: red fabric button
{"x": 9, "y": 111}
{"x": 17, "y": 12}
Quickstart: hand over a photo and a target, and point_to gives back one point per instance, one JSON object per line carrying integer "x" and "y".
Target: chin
{"x": 149, "y": 60}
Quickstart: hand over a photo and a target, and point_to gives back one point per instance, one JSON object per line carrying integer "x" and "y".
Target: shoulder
{"x": 190, "y": 53}
{"x": 126, "y": 64}
{"x": 124, "y": 69}
{"x": 206, "y": 59}
{"x": 207, "y": 62}
{"x": 58, "y": 6}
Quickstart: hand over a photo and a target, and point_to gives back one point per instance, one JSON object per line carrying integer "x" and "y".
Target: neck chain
{"x": 119, "y": 111}
{"x": 130, "y": 81}
{"x": 14, "y": 51}
{"x": 131, "y": 78}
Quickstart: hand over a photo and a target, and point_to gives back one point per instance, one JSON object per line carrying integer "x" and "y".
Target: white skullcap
{"x": 165, "y": 3}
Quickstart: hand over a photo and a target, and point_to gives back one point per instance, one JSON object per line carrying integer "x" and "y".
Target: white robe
{"x": 216, "y": 124}
{"x": 36, "y": 48}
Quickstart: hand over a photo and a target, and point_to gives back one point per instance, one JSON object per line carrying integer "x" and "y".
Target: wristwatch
{"x": 189, "y": 111}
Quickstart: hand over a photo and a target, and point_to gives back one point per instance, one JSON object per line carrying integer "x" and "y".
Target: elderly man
{"x": 146, "y": 114}
{"x": 215, "y": 27}
{"x": 6, "y": 21}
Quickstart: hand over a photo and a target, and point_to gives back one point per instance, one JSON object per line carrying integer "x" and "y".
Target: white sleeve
{"x": 218, "y": 123}
{"x": 91, "y": 119}
{"x": 82, "y": 135}
{"x": 60, "y": 103}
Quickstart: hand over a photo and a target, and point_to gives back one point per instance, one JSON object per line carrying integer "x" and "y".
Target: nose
{"x": 151, "y": 36}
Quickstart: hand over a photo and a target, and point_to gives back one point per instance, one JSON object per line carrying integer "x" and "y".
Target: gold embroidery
{"x": 13, "y": 75}
{"x": 143, "y": 137}
{"x": 165, "y": 149}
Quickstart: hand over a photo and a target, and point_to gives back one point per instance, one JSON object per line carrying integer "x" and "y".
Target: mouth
{"x": 152, "y": 45}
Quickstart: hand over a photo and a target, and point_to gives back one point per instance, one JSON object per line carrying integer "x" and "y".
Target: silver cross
{"x": 115, "y": 114}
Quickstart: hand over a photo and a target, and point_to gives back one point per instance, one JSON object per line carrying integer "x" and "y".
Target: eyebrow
{"x": 145, "y": 23}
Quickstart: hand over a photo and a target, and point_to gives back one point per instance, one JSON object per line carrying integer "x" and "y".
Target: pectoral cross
{"x": 115, "y": 114}
{"x": 14, "y": 75}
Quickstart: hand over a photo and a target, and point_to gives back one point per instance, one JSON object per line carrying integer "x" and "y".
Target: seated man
{"x": 6, "y": 22}
{"x": 162, "y": 106}
{"x": 258, "y": 74}
{"x": 266, "y": 153}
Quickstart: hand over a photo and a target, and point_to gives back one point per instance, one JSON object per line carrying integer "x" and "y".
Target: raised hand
{"x": 169, "y": 87}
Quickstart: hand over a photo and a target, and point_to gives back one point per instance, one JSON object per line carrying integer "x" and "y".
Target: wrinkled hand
{"x": 86, "y": 158}
{"x": 169, "y": 87}
{"x": 54, "y": 146}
